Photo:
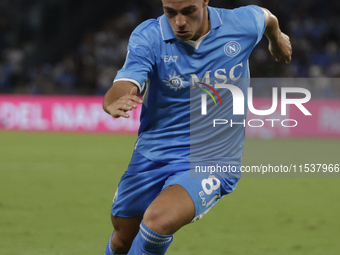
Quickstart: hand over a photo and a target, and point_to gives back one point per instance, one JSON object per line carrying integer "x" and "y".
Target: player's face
{"x": 188, "y": 18}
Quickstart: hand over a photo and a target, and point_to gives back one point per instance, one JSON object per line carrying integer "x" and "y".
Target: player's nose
{"x": 180, "y": 21}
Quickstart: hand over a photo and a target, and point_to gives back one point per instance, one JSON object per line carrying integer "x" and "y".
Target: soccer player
{"x": 166, "y": 57}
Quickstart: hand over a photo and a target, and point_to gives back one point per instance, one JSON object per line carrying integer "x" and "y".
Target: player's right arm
{"x": 139, "y": 63}
{"x": 120, "y": 98}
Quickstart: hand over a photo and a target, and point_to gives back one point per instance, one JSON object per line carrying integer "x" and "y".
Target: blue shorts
{"x": 145, "y": 179}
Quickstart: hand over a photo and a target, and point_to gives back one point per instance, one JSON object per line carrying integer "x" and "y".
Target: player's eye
{"x": 170, "y": 12}
{"x": 188, "y": 11}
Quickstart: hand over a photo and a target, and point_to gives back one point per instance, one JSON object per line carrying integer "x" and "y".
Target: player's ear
{"x": 205, "y": 3}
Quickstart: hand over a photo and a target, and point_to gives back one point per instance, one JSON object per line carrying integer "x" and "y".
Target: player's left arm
{"x": 279, "y": 43}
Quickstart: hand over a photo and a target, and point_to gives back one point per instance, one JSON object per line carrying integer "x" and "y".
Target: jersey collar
{"x": 168, "y": 34}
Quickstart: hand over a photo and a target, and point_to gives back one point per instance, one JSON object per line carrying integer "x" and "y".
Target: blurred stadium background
{"x": 76, "y": 47}
{"x": 56, "y": 188}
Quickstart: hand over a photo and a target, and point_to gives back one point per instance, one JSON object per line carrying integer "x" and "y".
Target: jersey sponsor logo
{"x": 220, "y": 76}
{"x": 232, "y": 49}
{"x": 175, "y": 81}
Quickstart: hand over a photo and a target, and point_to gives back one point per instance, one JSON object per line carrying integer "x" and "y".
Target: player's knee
{"x": 121, "y": 244}
{"x": 158, "y": 222}
{"x": 125, "y": 231}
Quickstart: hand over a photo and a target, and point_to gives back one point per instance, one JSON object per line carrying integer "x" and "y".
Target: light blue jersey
{"x": 166, "y": 69}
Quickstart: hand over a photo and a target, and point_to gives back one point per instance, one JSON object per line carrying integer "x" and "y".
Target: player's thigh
{"x": 138, "y": 187}
{"x": 203, "y": 192}
{"x": 171, "y": 209}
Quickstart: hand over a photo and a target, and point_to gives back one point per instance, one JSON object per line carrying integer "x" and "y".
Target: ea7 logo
{"x": 238, "y": 100}
{"x": 170, "y": 58}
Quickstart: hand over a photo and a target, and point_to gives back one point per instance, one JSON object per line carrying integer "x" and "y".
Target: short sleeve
{"x": 257, "y": 15}
{"x": 139, "y": 60}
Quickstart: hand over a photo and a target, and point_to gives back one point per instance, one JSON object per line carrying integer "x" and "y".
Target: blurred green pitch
{"x": 56, "y": 192}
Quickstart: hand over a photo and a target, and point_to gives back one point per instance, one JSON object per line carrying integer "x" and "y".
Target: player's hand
{"x": 280, "y": 47}
{"x": 125, "y": 103}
